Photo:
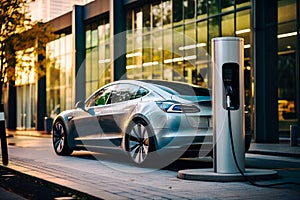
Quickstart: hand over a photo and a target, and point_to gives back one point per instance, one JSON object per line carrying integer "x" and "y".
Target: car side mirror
{"x": 80, "y": 104}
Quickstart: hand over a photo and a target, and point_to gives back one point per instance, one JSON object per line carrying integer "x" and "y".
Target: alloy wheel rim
{"x": 139, "y": 143}
{"x": 58, "y": 137}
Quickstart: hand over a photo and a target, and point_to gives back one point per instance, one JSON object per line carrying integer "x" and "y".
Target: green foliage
{"x": 33, "y": 42}
{"x": 20, "y": 40}
{"x": 12, "y": 17}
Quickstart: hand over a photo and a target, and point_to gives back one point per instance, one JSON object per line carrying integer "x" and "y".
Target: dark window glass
{"x": 140, "y": 93}
{"x": 241, "y": 1}
{"x": 227, "y": 3}
{"x": 287, "y": 86}
{"x": 201, "y": 8}
{"x": 287, "y": 63}
{"x": 177, "y": 10}
{"x": 213, "y": 7}
{"x": 129, "y": 21}
{"x": 189, "y": 9}
{"x": 146, "y": 16}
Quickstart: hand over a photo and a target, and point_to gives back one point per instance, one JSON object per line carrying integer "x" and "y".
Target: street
{"x": 112, "y": 176}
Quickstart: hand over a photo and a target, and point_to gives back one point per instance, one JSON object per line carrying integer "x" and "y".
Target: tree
{"x": 12, "y": 20}
{"x": 18, "y": 35}
{"x": 33, "y": 42}
{"x": 21, "y": 38}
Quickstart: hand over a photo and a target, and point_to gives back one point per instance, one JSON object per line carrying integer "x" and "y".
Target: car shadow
{"x": 118, "y": 157}
{"x": 109, "y": 156}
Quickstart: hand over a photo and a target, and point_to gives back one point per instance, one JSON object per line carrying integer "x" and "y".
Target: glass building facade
{"x": 25, "y": 90}
{"x": 59, "y": 74}
{"x": 171, "y": 40}
{"x": 287, "y": 62}
{"x": 97, "y": 63}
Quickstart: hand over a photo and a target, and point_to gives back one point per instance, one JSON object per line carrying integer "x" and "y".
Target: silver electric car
{"x": 150, "y": 120}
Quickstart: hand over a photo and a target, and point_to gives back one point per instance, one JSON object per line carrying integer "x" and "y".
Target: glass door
{"x": 26, "y": 109}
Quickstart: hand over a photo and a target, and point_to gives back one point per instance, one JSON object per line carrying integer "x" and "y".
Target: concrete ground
{"x": 100, "y": 180}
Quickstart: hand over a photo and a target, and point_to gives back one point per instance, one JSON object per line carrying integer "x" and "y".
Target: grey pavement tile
{"x": 109, "y": 183}
{"x": 131, "y": 195}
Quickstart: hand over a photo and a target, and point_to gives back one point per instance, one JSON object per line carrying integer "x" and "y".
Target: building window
{"x": 189, "y": 9}
{"x": 25, "y": 83}
{"x": 213, "y": 7}
{"x": 97, "y": 56}
{"x": 287, "y": 41}
{"x": 201, "y": 9}
{"x": 175, "y": 44}
{"x": 59, "y": 75}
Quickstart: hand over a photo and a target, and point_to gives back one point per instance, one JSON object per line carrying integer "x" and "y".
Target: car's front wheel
{"x": 139, "y": 143}
{"x": 59, "y": 139}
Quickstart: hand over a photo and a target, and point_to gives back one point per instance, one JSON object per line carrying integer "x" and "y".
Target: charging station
{"x": 228, "y": 93}
{"x": 228, "y": 118}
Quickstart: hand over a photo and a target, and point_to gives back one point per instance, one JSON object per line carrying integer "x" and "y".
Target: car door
{"x": 86, "y": 123}
{"x": 112, "y": 109}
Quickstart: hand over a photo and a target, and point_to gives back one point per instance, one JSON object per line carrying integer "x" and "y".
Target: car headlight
{"x": 175, "y": 107}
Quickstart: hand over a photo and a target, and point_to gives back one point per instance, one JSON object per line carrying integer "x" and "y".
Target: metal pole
{"x": 228, "y": 59}
{"x": 3, "y": 136}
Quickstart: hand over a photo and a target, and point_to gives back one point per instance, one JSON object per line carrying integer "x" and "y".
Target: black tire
{"x": 139, "y": 143}
{"x": 59, "y": 139}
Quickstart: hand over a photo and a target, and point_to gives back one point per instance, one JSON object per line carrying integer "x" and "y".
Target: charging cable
{"x": 229, "y": 91}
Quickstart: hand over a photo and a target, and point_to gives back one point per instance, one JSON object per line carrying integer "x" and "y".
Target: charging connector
{"x": 229, "y": 91}
{"x": 228, "y": 102}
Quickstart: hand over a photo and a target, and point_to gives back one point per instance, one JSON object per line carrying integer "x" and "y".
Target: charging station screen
{"x": 231, "y": 81}
{"x": 227, "y": 75}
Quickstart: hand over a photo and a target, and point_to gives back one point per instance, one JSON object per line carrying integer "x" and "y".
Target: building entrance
{"x": 26, "y": 111}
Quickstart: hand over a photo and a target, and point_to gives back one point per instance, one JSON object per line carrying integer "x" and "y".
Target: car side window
{"x": 102, "y": 97}
{"x": 115, "y": 94}
{"x": 124, "y": 92}
{"x": 140, "y": 93}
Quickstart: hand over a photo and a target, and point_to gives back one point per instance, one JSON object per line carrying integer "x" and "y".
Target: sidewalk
{"x": 98, "y": 180}
{"x": 30, "y": 132}
{"x": 281, "y": 149}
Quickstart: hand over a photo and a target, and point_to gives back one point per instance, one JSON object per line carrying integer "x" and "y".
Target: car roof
{"x": 181, "y": 88}
{"x": 171, "y": 87}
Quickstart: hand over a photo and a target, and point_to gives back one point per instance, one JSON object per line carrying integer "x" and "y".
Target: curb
{"x": 274, "y": 153}
{"x": 30, "y": 187}
{"x": 28, "y": 133}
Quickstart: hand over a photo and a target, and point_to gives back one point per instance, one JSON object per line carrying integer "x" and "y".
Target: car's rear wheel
{"x": 139, "y": 143}
{"x": 59, "y": 139}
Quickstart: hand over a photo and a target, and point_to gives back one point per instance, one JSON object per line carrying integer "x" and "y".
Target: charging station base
{"x": 209, "y": 175}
